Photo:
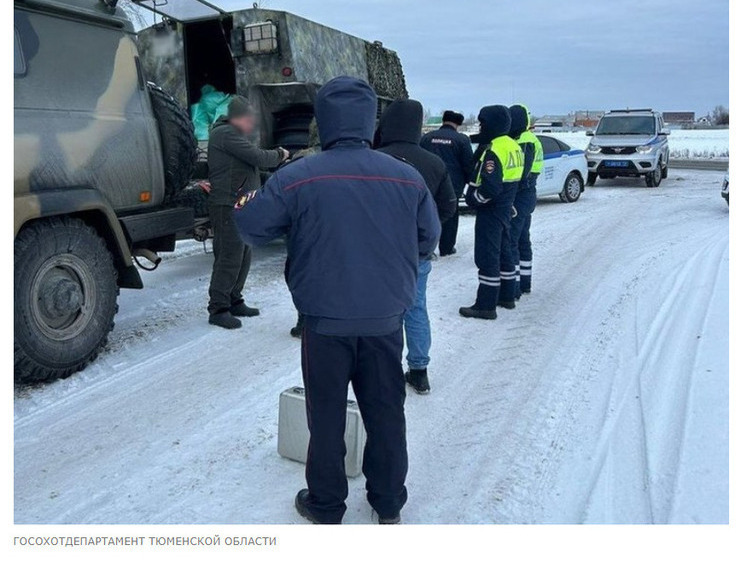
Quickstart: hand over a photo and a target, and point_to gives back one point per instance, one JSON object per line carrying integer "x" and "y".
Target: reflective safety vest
{"x": 528, "y": 137}
{"x": 510, "y": 156}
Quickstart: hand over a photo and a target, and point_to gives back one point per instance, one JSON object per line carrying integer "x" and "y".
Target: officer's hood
{"x": 495, "y": 121}
{"x": 402, "y": 121}
{"x": 345, "y": 109}
{"x": 519, "y": 120}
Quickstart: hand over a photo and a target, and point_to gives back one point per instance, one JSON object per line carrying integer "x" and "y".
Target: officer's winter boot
{"x": 297, "y": 330}
{"x": 303, "y": 506}
{"x": 418, "y": 380}
{"x": 507, "y": 293}
{"x": 484, "y": 307}
{"x": 526, "y": 276}
{"x": 225, "y": 320}
{"x": 240, "y": 309}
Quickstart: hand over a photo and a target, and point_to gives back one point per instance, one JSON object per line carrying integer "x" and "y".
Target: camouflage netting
{"x": 385, "y": 72}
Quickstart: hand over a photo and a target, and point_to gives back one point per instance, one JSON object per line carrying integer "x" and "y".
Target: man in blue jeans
{"x": 400, "y": 131}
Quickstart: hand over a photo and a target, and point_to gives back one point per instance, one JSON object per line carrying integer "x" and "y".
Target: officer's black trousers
{"x": 374, "y": 366}
{"x": 525, "y": 203}
{"x": 494, "y": 257}
{"x": 449, "y": 231}
{"x": 232, "y": 261}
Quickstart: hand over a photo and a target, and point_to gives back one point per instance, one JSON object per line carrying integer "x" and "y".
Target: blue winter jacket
{"x": 357, "y": 221}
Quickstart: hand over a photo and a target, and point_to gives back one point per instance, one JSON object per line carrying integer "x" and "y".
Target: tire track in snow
{"x": 655, "y": 349}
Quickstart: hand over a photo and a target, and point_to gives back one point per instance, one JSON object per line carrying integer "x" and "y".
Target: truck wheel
{"x": 592, "y": 179}
{"x": 178, "y": 142}
{"x": 65, "y": 298}
{"x": 664, "y": 172}
{"x": 653, "y": 179}
{"x": 572, "y": 188}
{"x": 193, "y": 197}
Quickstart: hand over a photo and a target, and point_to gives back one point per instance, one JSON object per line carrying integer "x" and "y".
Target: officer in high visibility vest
{"x": 491, "y": 193}
{"x": 526, "y": 196}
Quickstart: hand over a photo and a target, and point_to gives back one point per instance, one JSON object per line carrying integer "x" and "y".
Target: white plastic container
{"x": 293, "y": 432}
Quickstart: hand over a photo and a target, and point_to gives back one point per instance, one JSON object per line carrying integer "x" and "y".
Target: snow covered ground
{"x": 602, "y": 398}
{"x": 712, "y": 143}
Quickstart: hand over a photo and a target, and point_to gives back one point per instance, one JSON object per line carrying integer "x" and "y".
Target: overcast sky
{"x": 554, "y": 55}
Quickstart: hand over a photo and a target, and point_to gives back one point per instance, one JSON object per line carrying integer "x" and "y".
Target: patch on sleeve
{"x": 489, "y": 167}
{"x": 244, "y": 199}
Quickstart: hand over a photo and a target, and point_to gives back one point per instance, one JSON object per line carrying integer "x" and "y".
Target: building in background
{"x": 587, "y": 119}
{"x": 554, "y": 123}
{"x": 679, "y": 118}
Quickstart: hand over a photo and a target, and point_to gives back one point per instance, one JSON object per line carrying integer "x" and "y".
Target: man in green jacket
{"x": 233, "y": 164}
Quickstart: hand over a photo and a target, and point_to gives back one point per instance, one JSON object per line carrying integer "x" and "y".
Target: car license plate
{"x": 616, "y": 163}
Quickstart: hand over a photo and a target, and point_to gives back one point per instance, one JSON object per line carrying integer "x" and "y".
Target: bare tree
{"x": 720, "y": 115}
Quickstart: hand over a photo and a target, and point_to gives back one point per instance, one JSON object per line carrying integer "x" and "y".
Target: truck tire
{"x": 193, "y": 197}
{"x": 591, "y": 179}
{"x": 65, "y": 298}
{"x": 292, "y": 127}
{"x": 178, "y": 142}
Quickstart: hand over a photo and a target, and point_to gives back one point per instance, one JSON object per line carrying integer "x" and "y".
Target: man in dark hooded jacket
{"x": 491, "y": 194}
{"x": 455, "y": 149}
{"x": 233, "y": 164}
{"x": 400, "y": 129}
{"x": 358, "y": 224}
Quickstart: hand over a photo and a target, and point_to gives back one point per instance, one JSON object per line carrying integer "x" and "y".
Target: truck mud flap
{"x": 159, "y": 224}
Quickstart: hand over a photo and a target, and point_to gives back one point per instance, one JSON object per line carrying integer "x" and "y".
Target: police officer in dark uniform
{"x": 455, "y": 149}
{"x": 233, "y": 164}
{"x": 491, "y": 194}
{"x": 358, "y": 223}
{"x": 526, "y": 196}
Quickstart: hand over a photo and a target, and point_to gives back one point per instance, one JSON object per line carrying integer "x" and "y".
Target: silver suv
{"x": 629, "y": 142}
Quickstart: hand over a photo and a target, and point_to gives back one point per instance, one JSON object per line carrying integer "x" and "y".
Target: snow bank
{"x": 712, "y": 143}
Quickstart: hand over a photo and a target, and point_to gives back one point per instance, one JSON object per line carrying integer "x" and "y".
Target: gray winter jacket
{"x": 234, "y": 163}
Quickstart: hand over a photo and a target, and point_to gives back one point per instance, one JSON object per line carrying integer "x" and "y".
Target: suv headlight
{"x": 593, "y": 149}
{"x": 645, "y": 149}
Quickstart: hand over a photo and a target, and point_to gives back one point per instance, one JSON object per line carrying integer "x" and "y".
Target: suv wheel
{"x": 65, "y": 298}
{"x": 592, "y": 179}
{"x": 653, "y": 179}
{"x": 572, "y": 188}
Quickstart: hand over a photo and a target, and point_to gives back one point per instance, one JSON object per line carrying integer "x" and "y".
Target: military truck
{"x": 276, "y": 59}
{"x": 99, "y": 155}
{"x": 103, "y": 154}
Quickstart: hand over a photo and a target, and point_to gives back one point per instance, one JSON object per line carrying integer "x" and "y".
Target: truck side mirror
{"x": 665, "y": 132}
{"x": 589, "y": 133}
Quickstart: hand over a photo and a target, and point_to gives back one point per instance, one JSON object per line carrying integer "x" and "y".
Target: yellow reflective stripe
{"x": 510, "y": 156}
{"x": 539, "y": 155}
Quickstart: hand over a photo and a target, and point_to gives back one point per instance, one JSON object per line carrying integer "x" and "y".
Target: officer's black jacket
{"x": 455, "y": 149}
{"x": 400, "y": 132}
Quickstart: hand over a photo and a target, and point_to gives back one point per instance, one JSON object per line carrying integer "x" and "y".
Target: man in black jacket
{"x": 233, "y": 164}
{"x": 455, "y": 149}
{"x": 358, "y": 222}
{"x": 400, "y": 128}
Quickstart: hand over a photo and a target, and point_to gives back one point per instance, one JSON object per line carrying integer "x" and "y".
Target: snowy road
{"x": 602, "y": 398}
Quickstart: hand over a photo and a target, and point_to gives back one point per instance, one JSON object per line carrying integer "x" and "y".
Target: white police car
{"x": 565, "y": 170}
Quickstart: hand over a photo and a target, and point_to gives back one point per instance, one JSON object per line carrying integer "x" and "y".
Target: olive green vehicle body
{"x": 86, "y": 142}
{"x": 285, "y": 80}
